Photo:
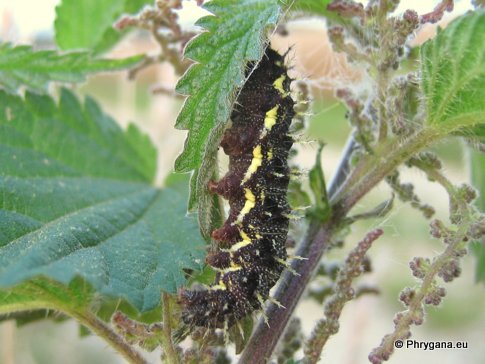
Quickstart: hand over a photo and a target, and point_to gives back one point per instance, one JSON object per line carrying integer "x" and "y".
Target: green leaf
{"x": 234, "y": 36}
{"x": 477, "y": 164}
{"x": 87, "y": 24}
{"x": 77, "y": 200}
{"x": 21, "y": 66}
{"x": 453, "y": 74}
{"x": 478, "y": 249}
{"x": 240, "y": 334}
{"x": 41, "y": 293}
{"x": 321, "y": 210}
{"x": 318, "y": 7}
{"x": 297, "y": 197}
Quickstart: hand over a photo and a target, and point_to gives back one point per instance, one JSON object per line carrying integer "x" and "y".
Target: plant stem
{"x": 101, "y": 329}
{"x": 373, "y": 169}
{"x": 344, "y": 166}
{"x": 167, "y": 342}
{"x": 382, "y": 71}
{"x": 342, "y": 293}
{"x": 401, "y": 329}
{"x": 40, "y": 293}
{"x": 291, "y": 287}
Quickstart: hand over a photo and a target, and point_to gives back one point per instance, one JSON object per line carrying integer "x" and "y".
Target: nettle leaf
{"x": 478, "y": 250}
{"x": 40, "y": 293}
{"x": 453, "y": 74}
{"x": 318, "y": 7}
{"x": 87, "y": 24}
{"x": 318, "y": 187}
{"x": 234, "y": 36}
{"x": 76, "y": 200}
{"x": 21, "y": 66}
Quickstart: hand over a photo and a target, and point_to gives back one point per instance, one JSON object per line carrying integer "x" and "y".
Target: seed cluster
{"x": 250, "y": 255}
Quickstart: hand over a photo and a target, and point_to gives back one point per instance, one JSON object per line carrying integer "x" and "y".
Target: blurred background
{"x": 364, "y": 321}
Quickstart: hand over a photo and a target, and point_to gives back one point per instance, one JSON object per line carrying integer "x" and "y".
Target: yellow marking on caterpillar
{"x": 244, "y": 236}
{"x": 270, "y": 154}
{"x": 220, "y": 286}
{"x": 248, "y": 205}
{"x": 239, "y": 245}
{"x": 270, "y": 118}
{"x": 232, "y": 268}
{"x": 255, "y": 163}
{"x": 278, "y": 84}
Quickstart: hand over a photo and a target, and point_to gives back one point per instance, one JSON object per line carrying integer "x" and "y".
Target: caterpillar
{"x": 249, "y": 254}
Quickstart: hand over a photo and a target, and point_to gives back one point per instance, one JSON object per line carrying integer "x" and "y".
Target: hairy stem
{"x": 427, "y": 292}
{"x": 101, "y": 329}
{"x": 401, "y": 330}
{"x": 382, "y": 71}
{"x": 373, "y": 168}
{"x": 167, "y": 342}
{"x": 319, "y": 235}
{"x": 343, "y": 292}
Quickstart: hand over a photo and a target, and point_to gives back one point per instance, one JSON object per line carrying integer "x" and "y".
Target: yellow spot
{"x": 255, "y": 163}
{"x": 248, "y": 205}
{"x": 278, "y": 84}
{"x": 245, "y": 242}
{"x": 220, "y": 286}
{"x": 232, "y": 268}
{"x": 270, "y": 154}
{"x": 270, "y": 118}
{"x": 240, "y": 245}
{"x": 244, "y": 236}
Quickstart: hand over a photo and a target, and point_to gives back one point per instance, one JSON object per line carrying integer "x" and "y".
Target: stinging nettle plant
{"x": 87, "y": 233}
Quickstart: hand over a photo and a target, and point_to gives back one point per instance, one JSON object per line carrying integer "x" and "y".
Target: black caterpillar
{"x": 250, "y": 252}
